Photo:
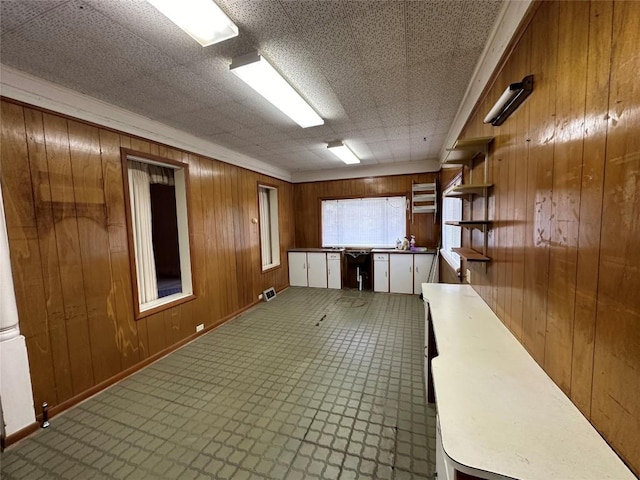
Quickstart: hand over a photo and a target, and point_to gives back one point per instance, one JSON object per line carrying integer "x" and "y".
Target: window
{"x": 451, "y": 235}
{"x": 157, "y": 219}
{"x": 269, "y": 229}
{"x": 375, "y": 222}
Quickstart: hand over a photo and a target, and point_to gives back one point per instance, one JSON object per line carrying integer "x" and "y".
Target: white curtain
{"x": 265, "y": 226}
{"x": 140, "y": 199}
{"x": 158, "y": 174}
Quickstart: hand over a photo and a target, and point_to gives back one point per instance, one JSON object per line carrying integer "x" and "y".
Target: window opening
{"x": 375, "y": 222}
{"x": 159, "y": 228}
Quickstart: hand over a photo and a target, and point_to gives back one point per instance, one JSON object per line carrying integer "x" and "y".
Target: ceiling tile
{"x": 383, "y": 74}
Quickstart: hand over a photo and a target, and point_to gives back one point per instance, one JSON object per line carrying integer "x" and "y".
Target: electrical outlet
{"x": 200, "y": 327}
{"x": 468, "y": 276}
{"x": 260, "y": 296}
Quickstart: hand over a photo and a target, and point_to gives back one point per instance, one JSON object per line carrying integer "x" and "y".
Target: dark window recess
{"x": 165, "y": 239}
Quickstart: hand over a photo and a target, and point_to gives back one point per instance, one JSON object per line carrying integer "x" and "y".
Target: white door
{"x": 334, "y": 275}
{"x": 381, "y": 272}
{"x": 317, "y": 269}
{"x": 298, "y": 269}
{"x": 421, "y": 268}
{"x": 401, "y": 273}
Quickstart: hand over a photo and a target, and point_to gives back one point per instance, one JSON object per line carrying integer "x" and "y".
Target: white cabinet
{"x": 315, "y": 269}
{"x": 334, "y": 274}
{"x": 401, "y": 273}
{"x": 380, "y": 272}
{"x": 421, "y": 268}
{"x": 298, "y": 269}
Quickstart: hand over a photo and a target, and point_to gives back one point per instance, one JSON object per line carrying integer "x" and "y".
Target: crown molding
{"x": 359, "y": 171}
{"x": 509, "y": 20}
{"x": 44, "y": 94}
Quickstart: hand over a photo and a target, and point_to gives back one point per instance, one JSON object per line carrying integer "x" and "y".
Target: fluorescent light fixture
{"x": 260, "y": 75}
{"x": 202, "y": 19}
{"x": 509, "y": 101}
{"x": 341, "y": 151}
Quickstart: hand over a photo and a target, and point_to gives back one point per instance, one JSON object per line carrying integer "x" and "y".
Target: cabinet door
{"x": 421, "y": 269}
{"x": 381, "y": 272}
{"x": 317, "y": 269}
{"x": 334, "y": 275}
{"x": 401, "y": 273}
{"x": 298, "y": 269}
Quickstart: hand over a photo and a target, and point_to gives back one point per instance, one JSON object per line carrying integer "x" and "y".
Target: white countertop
{"x": 499, "y": 412}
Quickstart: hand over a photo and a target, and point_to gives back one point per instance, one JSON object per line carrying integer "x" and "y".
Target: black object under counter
{"x": 358, "y": 263}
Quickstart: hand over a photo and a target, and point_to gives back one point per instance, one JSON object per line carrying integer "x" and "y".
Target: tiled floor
{"x": 315, "y": 384}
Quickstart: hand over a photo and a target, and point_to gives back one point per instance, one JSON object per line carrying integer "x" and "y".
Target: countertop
{"x": 430, "y": 251}
{"x": 498, "y": 410}
{"x": 334, "y": 250}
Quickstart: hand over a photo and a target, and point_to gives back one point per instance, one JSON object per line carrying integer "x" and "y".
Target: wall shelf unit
{"x": 466, "y": 152}
{"x": 424, "y": 199}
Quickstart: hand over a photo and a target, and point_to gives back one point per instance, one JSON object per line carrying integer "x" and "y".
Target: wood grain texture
{"x": 307, "y": 198}
{"x": 26, "y": 261}
{"x": 564, "y": 244}
{"x": 65, "y": 206}
{"x": 57, "y": 142}
{"x": 573, "y": 39}
{"x": 593, "y": 164}
{"x": 616, "y": 370}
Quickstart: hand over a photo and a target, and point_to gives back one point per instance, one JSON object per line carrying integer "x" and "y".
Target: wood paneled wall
{"x": 309, "y": 195}
{"x": 565, "y": 243}
{"x": 63, "y": 192}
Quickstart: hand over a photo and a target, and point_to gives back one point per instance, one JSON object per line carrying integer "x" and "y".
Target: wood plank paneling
{"x": 93, "y": 237}
{"x": 120, "y": 301}
{"x": 593, "y": 161}
{"x": 573, "y": 38}
{"x": 63, "y": 185}
{"x": 309, "y": 195}
{"x": 69, "y": 254}
{"x": 616, "y": 370}
{"x": 566, "y": 169}
{"x": 544, "y": 28}
{"x": 26, "y": 262}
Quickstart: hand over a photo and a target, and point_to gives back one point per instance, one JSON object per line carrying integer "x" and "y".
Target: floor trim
{"x": 75, "y": 400}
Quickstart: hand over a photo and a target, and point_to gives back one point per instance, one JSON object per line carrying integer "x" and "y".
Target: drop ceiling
{"x": 386, "y": 76}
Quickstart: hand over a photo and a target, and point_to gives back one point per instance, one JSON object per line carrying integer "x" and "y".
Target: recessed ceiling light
{"x": 202, "y": 19}
{"x": 343, "y": 152}
{"x": 260, "y": 75}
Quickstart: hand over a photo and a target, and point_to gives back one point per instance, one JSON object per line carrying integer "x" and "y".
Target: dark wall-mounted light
{"x": 509, "y": 101}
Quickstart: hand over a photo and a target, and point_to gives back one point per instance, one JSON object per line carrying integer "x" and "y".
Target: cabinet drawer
{"x": 333, "y": 256}
{"x": 380, "y": 257}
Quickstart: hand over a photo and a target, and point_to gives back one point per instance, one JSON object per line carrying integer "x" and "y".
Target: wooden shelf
{"x": 465, "y": 150}
{"x": 471, "y": 255}
{"x": 477, "y": 143}
{"x": 460, "y": 157}
{"x": 468, "y": 189}
{"x": 479, "y": 224}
